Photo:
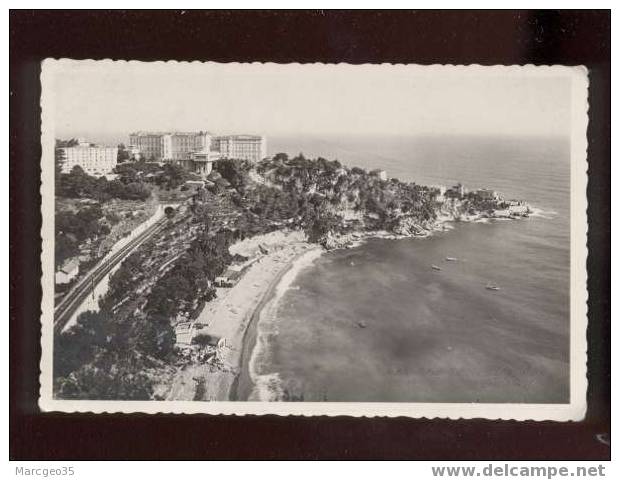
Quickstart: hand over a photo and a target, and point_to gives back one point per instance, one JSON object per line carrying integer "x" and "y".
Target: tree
{"x": 80, "y": 343}
{"x": 170, "y": 211}
{"x": 59, "y": 159}
{"x": 78, "y": 184}
{"x": 236, "y": 172}
{"x": 127, "y": 172}
{"x": 123, "y": 154}
{"x": 153, "y": 335}
{"x": 280, "y": 158}
{"x": 81, "y": 225}
{"x": 64, "y": 248}
{"x": 203, "y": 339}
{"x": 122, "y": 280}
{"x": 112, "y": 376}
{"x": 173, "y": 176}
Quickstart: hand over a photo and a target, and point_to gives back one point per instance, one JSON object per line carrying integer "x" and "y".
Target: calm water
{"x": 433, "y": 336}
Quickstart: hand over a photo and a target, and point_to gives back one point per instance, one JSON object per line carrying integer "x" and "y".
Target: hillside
{"x": 119, "y": 351}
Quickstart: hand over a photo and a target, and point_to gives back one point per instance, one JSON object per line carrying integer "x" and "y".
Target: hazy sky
{"x": 108, "y": 99}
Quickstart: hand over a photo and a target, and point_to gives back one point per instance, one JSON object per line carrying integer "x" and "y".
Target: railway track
{"x": 74, "y": 298}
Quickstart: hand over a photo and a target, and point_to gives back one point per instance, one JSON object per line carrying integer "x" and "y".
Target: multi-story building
{"x": 169, "y": 147}
{"x": 196, "y": 151}
{"x": 177, "y": 147}
{"x": 149, "y": 144}
{"x": 242, "y": 147}
{"x": 96, "y": 160}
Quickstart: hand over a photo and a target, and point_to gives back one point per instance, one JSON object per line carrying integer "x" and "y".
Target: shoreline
{"x": 241, "y": 314}
{"x": 232, "y": 316}
{"x": 243, "y": 384}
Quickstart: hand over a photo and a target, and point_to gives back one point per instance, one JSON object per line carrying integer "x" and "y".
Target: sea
{"x": 376, "y": 323}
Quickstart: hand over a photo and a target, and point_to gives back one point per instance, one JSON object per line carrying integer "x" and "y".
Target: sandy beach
{"x": 274, "y": 260}
{"x": 229, "y": 315}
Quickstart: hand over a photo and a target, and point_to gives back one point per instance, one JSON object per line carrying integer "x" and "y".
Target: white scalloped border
{"x": 573, "y": 411}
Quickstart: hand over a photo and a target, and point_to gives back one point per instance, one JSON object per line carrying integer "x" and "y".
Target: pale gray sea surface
{"x": 376, "y": 323}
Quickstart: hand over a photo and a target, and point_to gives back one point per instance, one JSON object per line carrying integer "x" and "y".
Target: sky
{"x": 106, "y": 99}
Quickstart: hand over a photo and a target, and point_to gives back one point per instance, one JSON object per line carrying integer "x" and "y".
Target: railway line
{"x": 74, "y": 298}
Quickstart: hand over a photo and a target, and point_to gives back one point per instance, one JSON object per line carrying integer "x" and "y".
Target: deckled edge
{"x": 579, "y": 242}
{"x": 574, "y": 411}
{"x": 46, "y": 402}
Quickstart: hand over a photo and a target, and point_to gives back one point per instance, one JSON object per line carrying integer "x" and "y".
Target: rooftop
{"x": 240, "y": 137}
{"x": 89, "y": 145}
{"x": 172, "y": 132}
{"x": 70, "y": 265}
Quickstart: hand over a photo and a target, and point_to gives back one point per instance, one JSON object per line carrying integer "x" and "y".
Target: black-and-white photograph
{"x": 359, "y": 239}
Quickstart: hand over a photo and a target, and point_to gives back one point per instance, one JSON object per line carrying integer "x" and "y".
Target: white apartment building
{"x": 177, "y": 147}
{"x": 242, "y": 147}
{"x": 149, "y": 144}
{"x": 170, "y": 147}
{"x": 94, "y": 159}
{"x": 196, "y": 151}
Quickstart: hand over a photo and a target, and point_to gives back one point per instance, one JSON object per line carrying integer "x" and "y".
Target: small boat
{"x": 492, "y": 287}
{"x": 435, "y": 267}
{"x": 362, "y": 324}
{"x": 451, "y": 259}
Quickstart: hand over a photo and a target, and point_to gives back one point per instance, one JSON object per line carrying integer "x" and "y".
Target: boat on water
{"x": 435, "y": 267}
{"x": 490, "y": 286}
{"x": 451, "y": 259}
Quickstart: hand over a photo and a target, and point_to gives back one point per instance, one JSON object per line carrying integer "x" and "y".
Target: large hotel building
{"x": 94, "y": 159}
{"x": 243, "y": 147}
{"x": 197, "y": 151}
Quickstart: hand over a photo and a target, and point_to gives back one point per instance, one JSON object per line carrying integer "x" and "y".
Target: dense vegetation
{"x": 78, "y": 184}
{"x": 134, "y": 182}
{"x": 97, "y": 359}
{"x": 323, "y": 197}
{"x": 108, "y": 354}
{"x": 72, "y": 229}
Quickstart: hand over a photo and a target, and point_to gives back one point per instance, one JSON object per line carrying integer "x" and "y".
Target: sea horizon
{"x": 116, "y": 138}
{"x": 530, "y": 168}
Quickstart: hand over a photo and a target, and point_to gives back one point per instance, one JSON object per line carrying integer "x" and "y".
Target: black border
{"x": 424, "y": 37}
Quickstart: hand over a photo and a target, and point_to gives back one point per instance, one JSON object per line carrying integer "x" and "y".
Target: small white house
{"x": 68, "y": 271}
{"x": 184, "y": 333}
{"x": 381, "y": 174}
{"x": 224, "y": 281}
